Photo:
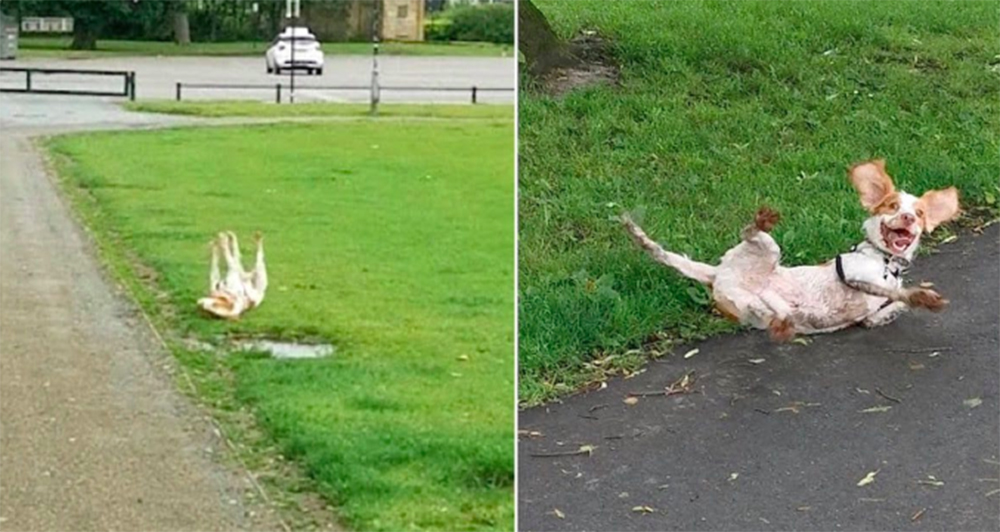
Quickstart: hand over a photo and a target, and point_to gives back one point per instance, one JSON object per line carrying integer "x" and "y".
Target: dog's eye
{"x": 920, "y": 213}
{"x": 894, "y": 206}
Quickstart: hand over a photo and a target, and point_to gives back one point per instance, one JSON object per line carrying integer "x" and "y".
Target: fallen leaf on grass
{"x": 918, "y": 514}
{"x": 558, "y": 513}
{"x": 875, "y": 409}
{"x": 756, "y": 361}
{"x": 972, "y": 403}
{"x": 691, "y": 353}
{"x": 950, "y": 239}
{"x": 463, "y": 358}
{"x": 869, "y": 478}
{"x": 631, "y": 400}
{"x": 643, "y": 509}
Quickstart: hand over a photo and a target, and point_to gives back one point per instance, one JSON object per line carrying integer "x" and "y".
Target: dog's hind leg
{"x": 781, "y": 326}
{"x": 758, "y": 233}
{"x": 699, "y": 271}
{"x": 259, "y": 280}
{"x": 884, "y": 316}
{"x": 234, "y": 270}
{"x": 234, "y": 248}
{"x": 213, "y": 272}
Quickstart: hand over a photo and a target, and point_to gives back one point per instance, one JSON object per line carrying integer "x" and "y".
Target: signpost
{"x": 293, "y": 12}
{"x": 375, "y": 39}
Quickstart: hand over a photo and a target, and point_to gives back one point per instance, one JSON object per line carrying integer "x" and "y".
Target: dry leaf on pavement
{"x": 875, "y": 409}
{"x": 869, "y": 478}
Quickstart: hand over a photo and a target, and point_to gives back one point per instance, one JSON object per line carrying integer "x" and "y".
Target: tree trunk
{"x": 543, "y": 50}
{"x": 84, "y": 35}
{"x": 182, "y": 30}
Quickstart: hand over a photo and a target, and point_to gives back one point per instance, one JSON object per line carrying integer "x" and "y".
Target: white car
{"x": 308, "y": 55}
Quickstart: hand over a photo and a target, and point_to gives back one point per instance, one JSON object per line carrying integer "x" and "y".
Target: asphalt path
{"x": 778, "y": 437}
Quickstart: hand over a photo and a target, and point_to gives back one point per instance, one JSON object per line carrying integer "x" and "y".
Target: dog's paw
{"x": 766, "y": 219}
{"x": 926, "y": 298}
{"x": 781, "y": 330}
{"x": 258, "y": 236}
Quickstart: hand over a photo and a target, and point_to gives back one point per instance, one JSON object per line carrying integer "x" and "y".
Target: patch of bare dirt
{"x": 594, "y": 65}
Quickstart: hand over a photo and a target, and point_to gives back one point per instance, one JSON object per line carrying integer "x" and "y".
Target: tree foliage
{"x": 90, "y": 17}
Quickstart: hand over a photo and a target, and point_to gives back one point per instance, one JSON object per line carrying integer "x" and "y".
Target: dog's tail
{"x": 699, "y": 271}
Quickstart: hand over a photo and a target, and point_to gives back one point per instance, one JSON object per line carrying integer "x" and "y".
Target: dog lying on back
{"x": 863, "y": 286}
{"x": 239, "y": 291}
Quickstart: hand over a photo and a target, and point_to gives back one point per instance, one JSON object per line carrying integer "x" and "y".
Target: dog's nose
{"x": 907, "y": 219}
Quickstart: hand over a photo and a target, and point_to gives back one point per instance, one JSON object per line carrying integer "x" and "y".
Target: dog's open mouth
{"x": 897, "y": 240}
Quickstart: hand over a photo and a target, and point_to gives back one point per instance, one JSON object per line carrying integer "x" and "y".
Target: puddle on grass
{"x": 289, "y": 349}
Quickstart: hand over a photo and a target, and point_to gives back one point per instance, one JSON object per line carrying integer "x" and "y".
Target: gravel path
{"x": 93, "y": 434}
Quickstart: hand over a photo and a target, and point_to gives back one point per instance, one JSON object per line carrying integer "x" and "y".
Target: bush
{"x": 437, "y": 29}
{"x": 490, "y": 23}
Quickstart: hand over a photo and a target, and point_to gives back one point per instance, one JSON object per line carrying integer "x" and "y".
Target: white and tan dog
{"x": 863, "y": 286}
{"x": 239, "y": 291}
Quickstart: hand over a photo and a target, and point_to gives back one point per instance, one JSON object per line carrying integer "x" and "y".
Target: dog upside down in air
{"x": 863, "y": 286}
{"x": 239, "y": 291}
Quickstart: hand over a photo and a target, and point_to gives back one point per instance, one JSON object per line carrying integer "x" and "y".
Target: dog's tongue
{"x": 899, "y": 240}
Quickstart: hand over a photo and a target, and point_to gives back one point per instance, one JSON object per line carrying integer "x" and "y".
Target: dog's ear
{"x": 937, "y": 207}
{"x": 871, "y": 182}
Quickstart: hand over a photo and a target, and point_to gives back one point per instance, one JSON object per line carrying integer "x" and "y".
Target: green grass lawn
{"x": 58, "y": 47}
{"x": 722, "y": 107}
{"x": 267, "y": 109}
{"x": 392, "y": 240}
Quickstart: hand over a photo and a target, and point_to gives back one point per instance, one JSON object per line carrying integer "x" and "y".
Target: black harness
{"x": 894, "y": 266}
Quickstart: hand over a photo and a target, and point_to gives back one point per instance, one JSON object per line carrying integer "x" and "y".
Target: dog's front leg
{"x": 912, "y": 297}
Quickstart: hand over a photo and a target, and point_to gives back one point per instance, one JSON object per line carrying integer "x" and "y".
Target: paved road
{"x": 156, "y": 77}
{"x": 93, "y": 435}
{"x": 729, "y": 458}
